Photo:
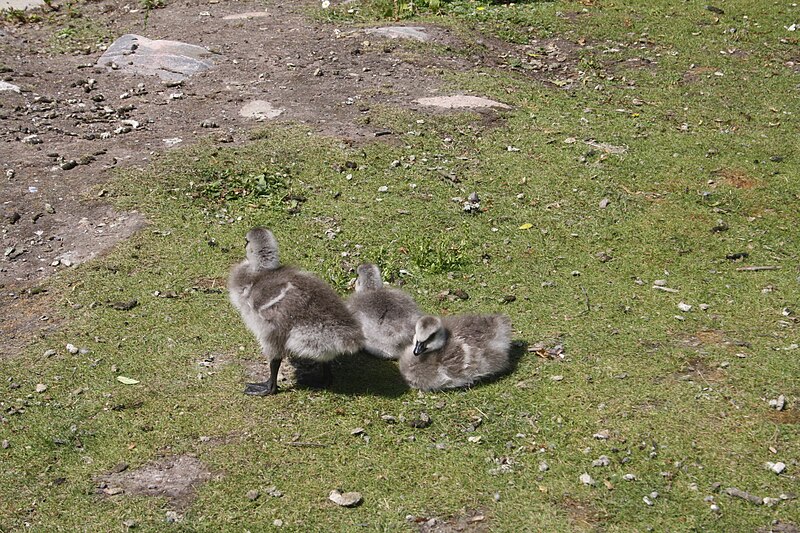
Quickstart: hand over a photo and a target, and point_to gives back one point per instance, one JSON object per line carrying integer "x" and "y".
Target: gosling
{"x": 387, "y": 316}
{"x": 452, "y": 352}
{"x": 291, "y": 312}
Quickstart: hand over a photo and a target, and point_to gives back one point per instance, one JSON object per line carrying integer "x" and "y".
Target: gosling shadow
{"x": 362, "y": 374}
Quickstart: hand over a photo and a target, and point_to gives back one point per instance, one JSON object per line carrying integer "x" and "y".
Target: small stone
{"x": 778, "y": 467}
{"x": 704, "y": 307}
{"x": 389, "y": 419}
{"x": 346, "y": 499}
{"x": 277, "y": 522}
{"x": 273, "y": 491}
{"x": 586, "y": 479}
{"x": 544, "y": 467}
{"x": 603, "y": 257}
{"x": 5, "y": 444}
{"x": 421, "y": 422}
{"x": 119, "y": 467}
{"x": 204, "y": 438}
{"x": 556, "y": 378}
{"x": 475, "y": 439}
{"x": 41, "y": 387}
{"x": 129, "y": 523}
{"x": 654, "y": 495}
{"x": 629, "y": 477}
{"x": 604, "y": 203}
{"x": 779, "y": 403}
{"x": 172, "y": 517}
{"x": 50, "y": 353}
{"x": 601, "y": 435}
{"x": 357, "y": 431}
{"x": 714, "y": 508}
{"x": 69, "y": 165}
{"x": 648, "y": 501}
{"x": 771, "y": 502}
{"x": 252, "y": 495}
{"x": 684, "y": 307}
{"x": 49, "y": 209}
{"x": 603, "y": 460}
{"x": 383, "y": 188}
{"x": 208, "y": 123}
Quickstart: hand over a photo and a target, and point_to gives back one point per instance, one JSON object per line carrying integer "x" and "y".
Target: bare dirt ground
{"x": 72, "y": 123}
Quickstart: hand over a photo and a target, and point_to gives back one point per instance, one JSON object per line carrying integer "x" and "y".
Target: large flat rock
{"x": 169, "y": 60}
{"x": 461, "y": 102}
{"x": 415, "y": 33}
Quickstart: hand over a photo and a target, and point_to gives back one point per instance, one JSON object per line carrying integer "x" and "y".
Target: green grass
{"x": 684, "y": 410}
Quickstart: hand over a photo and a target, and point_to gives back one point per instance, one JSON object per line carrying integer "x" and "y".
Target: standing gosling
{"x": 290, "y": 312}
{"x": 387, "y": 316}
{"x": 456, "y": 351}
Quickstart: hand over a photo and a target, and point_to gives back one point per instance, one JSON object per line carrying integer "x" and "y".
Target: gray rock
{"x": 416, "y": 33}
{"x": 20, "y": 4}
{"x": 461, "y": 102}
{"x": 4, "y": 85}
{"x": 260, "y": 110}
{"x": 346, "y": 499}
{"x": 603, "y": 460}
{"x": 169, "y": 60}
{"x": 252, "y": 495}
{"x": 586, "y": 479}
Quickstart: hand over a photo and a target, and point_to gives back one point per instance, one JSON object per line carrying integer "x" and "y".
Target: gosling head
{"x": 369, "y": 278}
{"x": 262, "y": 249}
{"x": 429, "y": 335}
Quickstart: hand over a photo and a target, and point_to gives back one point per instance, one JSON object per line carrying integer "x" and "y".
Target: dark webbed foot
{"x": 260, "y": 389}
{"x": 268, "y": 387}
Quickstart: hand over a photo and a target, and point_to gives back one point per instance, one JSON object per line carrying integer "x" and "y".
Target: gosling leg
{"x": 268, "y": 387}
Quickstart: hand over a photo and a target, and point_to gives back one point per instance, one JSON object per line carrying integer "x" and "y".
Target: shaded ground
{"x": 72, "y": 122}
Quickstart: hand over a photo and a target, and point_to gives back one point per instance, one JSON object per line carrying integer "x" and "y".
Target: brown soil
{"x": 172, "y": 477}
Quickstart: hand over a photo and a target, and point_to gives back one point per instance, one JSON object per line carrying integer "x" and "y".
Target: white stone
{"x": 416, "y": 33}
{"x": 684, "y": 307}
{"x": 244, "y": 16}
{"x": 460, "y": 102}
{"x": 586, "y": 479}
{"x": 260, "y": 110}
{"x": 4, "y": 85}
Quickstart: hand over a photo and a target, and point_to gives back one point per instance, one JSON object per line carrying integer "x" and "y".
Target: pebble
{"x": 41, "y": 387}
{"x": 274, "y": 492}
{"x": 5, "y": 444}
{"x": 601, "y": 435}
{"x": 684, "y": 307}
{"x": 71, "y": 348}
{"x": 383, "y": 188}
{"x": 543, "y": 467}
{"x": 714, "y": 508}
{"x": 69, "y": 165}
{"x": 277, "y": 522}
{"x": 252, "y": 495}
{"x": 172, "y": 517}
{"x": 779, "y": 403}
{"x": 648, "y": 501}
{"x": 50, "y": 353}
{"x": 586, "y": 479}
{"x": 603, "y": 460}
{"x": 346, "y": 499}
{"x": 604, "y": 203}
{"x": 210, "y": 124}
{"x": 557, "y": 378}
{"x": 629, "y": 477}
{"x": 778, "y": 467}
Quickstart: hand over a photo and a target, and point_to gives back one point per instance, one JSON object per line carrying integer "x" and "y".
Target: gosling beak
{"x": 419, "y": 347}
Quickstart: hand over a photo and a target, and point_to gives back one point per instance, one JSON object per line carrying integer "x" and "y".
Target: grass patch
{"x": 634, "y": 178}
